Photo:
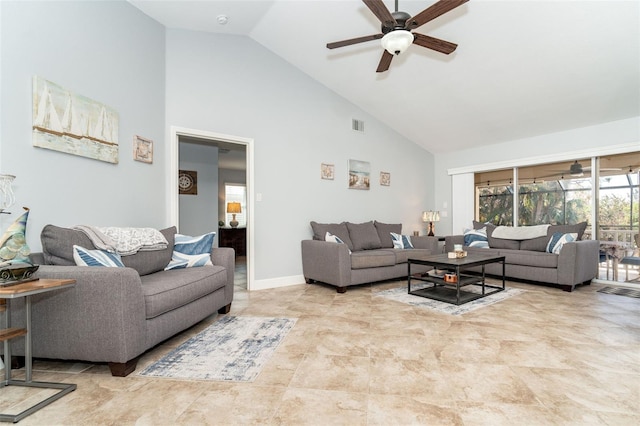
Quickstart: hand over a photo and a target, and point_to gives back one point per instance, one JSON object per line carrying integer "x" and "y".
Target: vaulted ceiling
{"x": 522, "y": 67}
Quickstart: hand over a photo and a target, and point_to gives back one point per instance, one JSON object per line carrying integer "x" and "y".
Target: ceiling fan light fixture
{"x": 397, "y": 41}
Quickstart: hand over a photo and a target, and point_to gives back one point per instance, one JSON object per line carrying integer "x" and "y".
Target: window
{"x": 236, "y": 193}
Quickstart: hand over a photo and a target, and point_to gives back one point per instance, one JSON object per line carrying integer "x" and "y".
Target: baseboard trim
{"x": 278, "y": 282}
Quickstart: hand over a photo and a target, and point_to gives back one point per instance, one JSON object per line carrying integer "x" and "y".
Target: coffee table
{"x": 452, "y": 292}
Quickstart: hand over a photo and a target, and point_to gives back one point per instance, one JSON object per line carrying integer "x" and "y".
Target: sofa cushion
{"x": 502, "y": 243}
{"x": 384, "y": 232}
{"x": 168, "y": 290}
{"x": 191, "y": 252}
{"x": 535, "y": 244}
{"x": 402, "y": 256}
{"x": 578, "y": 228}
{"x": 148, "y": 262}
{"x": 338, "y": 229}
{"x": 85, "y": 257}
{"x": 57, "y": 244}
{"x": 372, "y": 259}
{"x": 364, "y": 236}
{"x": 530, "y": 258}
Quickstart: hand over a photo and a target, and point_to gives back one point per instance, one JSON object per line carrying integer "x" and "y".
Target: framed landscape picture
{"x": 359, "y": 174}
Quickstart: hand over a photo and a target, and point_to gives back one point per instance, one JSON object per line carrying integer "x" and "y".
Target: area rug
{"x": 232, "y": 349}
{"x": 621, "y": 291}
{"x": 400, "y": 295}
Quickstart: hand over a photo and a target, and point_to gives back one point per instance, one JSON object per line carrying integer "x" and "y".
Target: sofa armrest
{"x": 450, "y": 240}
{"x": 101, "y": 318}
{"x": 578, "y": 262}
{"x": 226, "y": 256}
{"x": 425, "y": 242}
{"x": 326, "y": 262}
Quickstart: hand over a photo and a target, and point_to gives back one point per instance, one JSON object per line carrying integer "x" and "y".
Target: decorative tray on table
{"x": 17, "y": 274}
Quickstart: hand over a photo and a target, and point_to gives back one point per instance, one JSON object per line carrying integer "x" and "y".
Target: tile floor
{"x": 545, "y": 357}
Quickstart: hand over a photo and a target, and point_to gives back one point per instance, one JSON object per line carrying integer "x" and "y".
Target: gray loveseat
{"x": 366, "y": 256}
{"x": 528, "y": 260}
{"x": 114, "y": 315}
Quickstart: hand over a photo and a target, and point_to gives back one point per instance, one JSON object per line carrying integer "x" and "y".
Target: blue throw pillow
{"x": 558, "y": 239}
{"x": 191, "y": 252}
{"x": 476, "y": 238}
{"x": 86, "y": 257}
{"x": 401, "y": 241}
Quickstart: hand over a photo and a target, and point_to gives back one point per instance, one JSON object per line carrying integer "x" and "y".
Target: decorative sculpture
{"x": 15, "y": 266}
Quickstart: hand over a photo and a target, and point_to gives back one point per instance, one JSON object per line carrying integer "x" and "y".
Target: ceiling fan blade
{"x": 434, "y": 43}
{"x": 351, "y": 41}
{"x": 432, "y": 12}
{"x": 382, "y": 13}
{"x": 385, "y": 61}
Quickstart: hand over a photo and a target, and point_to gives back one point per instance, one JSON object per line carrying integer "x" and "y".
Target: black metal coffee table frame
{"x": 451, "y": 292}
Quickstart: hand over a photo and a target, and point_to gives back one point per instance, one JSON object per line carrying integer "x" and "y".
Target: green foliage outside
{"x": 549, "y": 203}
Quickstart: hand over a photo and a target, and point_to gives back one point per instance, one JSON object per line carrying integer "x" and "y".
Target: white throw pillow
{"x": 401, "y": 241}
{"x": 191, "y": 252}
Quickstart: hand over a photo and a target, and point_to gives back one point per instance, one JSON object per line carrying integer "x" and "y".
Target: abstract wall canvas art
{"x": 68, "y": 122}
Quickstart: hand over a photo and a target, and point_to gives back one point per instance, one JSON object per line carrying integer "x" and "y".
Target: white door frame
{"x": 173, "y": 198}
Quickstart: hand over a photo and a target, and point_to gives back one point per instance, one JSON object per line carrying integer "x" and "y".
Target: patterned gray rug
{"x": 400, "y": 295}
{"x": 232, "y": 349}
{"x": 621, "y": 291}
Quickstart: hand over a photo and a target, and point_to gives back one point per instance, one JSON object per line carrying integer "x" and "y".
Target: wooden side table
{"x": 26, "y": 290}
{"x": 235, "y": 238}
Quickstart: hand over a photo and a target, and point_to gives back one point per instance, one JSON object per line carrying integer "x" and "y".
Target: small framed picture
{"x": 188, "y": 182}
{"x": 142, "y": 149}
{"x": 327, "y": 171}
{"x": 385, "y": 178}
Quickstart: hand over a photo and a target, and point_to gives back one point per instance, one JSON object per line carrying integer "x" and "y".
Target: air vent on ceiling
{"x": 357, "y": 125}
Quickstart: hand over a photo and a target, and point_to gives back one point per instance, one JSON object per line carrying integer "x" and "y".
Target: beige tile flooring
{"x": 545, "y": 357}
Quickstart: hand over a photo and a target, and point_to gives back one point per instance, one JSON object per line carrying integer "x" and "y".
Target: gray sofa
{"x": 577, "y": 262}
{"x": 366, "y": 256}
{"x": 114, "y": 315}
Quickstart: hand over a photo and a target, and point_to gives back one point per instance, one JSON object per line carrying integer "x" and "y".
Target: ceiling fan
{"x": 577, "y": 170}
{"x": 396, "y": 30}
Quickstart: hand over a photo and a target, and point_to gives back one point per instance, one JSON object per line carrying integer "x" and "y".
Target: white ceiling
{"x": 522, "y": 68}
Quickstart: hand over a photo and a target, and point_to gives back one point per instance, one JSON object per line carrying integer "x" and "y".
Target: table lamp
{"x": 234, "y": 208}
{"x": 431, "y": 216}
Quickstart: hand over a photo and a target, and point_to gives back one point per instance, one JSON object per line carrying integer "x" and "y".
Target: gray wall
{"x": 232, "y": 85}
{"x": 111, "y": 52}
{"x": 199, "y": 213}
{"x": 107, "y": 51}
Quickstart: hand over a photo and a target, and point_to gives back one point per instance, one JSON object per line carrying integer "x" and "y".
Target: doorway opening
{"x": 235, "y": 155}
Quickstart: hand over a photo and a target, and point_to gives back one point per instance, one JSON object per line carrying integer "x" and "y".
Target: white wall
{"x": 109, "y": 52}
{"x": 232, "y": 85}
{"x": 199, "y": 212}
{"x": 608, "y": 137}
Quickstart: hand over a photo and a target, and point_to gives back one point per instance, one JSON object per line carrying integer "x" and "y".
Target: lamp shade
{"x": 397, "y": 41}
{"x": 234, "y": 207}
{"x": 431, "y": 216}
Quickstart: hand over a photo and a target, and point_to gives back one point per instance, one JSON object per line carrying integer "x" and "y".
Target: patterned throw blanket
{"x": 124, "y": 241}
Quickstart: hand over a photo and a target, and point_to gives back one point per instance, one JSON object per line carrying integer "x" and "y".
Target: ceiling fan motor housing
{"x": 401, "y": 20}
